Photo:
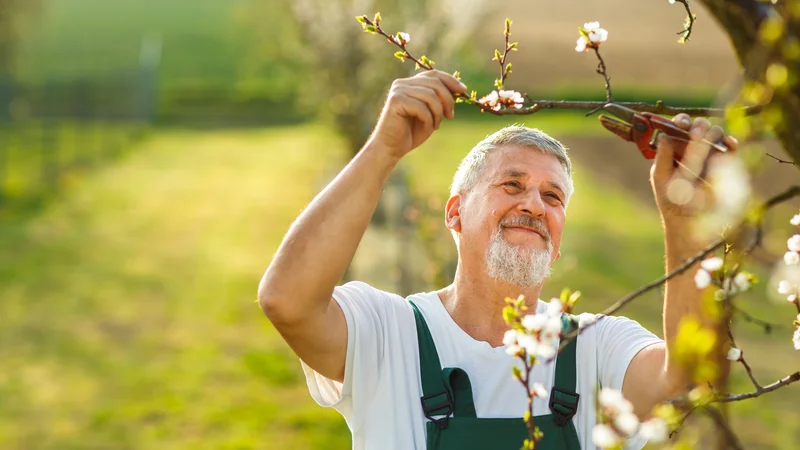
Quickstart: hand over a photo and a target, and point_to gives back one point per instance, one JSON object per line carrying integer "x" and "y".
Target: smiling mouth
{"x": 530, "y": 230}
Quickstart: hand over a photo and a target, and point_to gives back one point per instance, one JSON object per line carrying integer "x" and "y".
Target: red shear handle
{"x": 647, "y": 140}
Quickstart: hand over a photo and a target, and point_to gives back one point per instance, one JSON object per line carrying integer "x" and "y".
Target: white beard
{"x": 520, "y": 266}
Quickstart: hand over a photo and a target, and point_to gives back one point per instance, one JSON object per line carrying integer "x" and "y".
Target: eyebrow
{"x": 518, "y": 174}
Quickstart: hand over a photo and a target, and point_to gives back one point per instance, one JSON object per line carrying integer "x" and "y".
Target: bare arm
{"x": 295, "y": 292}
{"x": 653, "y": 376}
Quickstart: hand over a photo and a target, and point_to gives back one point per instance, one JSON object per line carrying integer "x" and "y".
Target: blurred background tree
{"x": 13, "y": 15}
{"x": 341, "y": 76}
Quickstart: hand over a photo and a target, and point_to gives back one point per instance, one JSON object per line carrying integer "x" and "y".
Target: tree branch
{"x": 687, "y": 28}
{"x": 601, "y": 69}
{"x": 782, "y": 161}
{"x": 788, "y": 194}
{"x": 731, "y": 438}
{"x": 768, "y": 388}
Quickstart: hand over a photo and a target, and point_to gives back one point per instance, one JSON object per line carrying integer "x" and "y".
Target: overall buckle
{"x": 564, "y": 406}
{"x": 444, "y": 406}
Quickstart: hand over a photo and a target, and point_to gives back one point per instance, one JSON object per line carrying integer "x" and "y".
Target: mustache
{"x": 527, "y": 221}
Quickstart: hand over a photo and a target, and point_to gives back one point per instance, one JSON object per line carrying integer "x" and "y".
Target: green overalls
{"x": 448, "y": 393}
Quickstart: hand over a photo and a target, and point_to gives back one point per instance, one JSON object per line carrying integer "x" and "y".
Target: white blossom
{"x": 791, "y": 258}
{"x": 613, "y": 400}
{"x": 510, "y": 338}
{"x": 604, "y": 436}
{"x": 702, "y": 279}
{"x": 490, "y": 101}
{"x": 591, "y": 26}
{"x": 795, "y": 220}
{"x": 794, "y": 243}
{"x": 626, "y": 423}
{"x": 555, "y": 308}
{"x": 796, "y": 339}
{"x": 534, "y": 322}
{"x": 654, "y": 430}
{"x": 528, "y": 343}
{"x": 712, "y": 264}
{"x": 511, "y": 98}
{"x": 788, "y": 289}
{"x": 734, "y": 354}
{"x": 671, "y": 2}
{"x": 538, "y": 390}
{"x": 580, "y": 46}
{"x": 598, "y": 36}
{"x": 404, "y": 37}
{"x": 741, "y": 281}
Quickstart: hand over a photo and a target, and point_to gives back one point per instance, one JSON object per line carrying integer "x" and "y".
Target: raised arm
{"x": 295, "y": 292}
{"x": 653, "y": 376}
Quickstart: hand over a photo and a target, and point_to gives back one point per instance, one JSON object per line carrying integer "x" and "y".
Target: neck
{"x": 476, "y": 302}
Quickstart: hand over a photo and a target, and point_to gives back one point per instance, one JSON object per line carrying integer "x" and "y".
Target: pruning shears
{"x": 643, "y": 128}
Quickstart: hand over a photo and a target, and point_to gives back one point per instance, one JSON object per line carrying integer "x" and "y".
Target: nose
{"x": 532, "y": 204}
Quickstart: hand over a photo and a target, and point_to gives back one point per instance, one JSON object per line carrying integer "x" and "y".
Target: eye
{"x": 553, "y": 195}
{"x": 514, "y": 184}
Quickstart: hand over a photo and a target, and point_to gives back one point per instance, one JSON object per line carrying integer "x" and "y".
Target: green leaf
{"x": 527, "y": 416}
{"x": 508, "y": 27}
{"x": 498, "y": 83}
{"x": 513, "y": 46}
{"x": 362, "y": 19}
{"x": 400, "y": 55}
{"x": 457, "y": 75}
{"x": 508, "y": 68}
{"x": 583, "y": 32}
{"x": 496, "y": 55}
{"x": 371, "y": 29}
{"x": 377, "y": 18}
{"x": 516, "y": 372}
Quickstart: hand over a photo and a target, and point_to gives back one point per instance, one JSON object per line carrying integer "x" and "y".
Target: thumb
{"x": 663, "y": 165}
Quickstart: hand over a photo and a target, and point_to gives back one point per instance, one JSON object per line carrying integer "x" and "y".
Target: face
{"x": 513, "y": 218}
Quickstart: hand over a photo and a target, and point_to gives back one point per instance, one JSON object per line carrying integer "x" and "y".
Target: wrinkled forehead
{"x": 524, "y": 162}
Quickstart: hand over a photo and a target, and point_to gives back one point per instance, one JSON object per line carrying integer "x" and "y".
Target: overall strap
{"x": 563, "y": 397}
{"x": 436, "y": 399}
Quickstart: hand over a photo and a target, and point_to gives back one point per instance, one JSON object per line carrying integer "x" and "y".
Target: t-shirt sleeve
{"x": 619, "y": 339}
{"x": 366, "y": 311}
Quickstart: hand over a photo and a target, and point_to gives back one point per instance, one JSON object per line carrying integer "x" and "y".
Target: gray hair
{"x": 472, "y": 165}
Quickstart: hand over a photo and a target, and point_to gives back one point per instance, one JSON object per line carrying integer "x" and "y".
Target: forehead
{"x": 523, "y": 161}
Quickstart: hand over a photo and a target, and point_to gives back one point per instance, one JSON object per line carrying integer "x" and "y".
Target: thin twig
{"x": 782, "y": 161}
{"x": 601, "y": 69}
{"x": 749, "y": 318}
{"x": 687, "y": 29}
{"x": 768, "y": 388}
{"x": 789, "y": 193}
{"x": 644, "y": 289}
{"x": 731, "y": 438}
{"x": 658, "y": 108}
{"x": 744, "y": 363}
{"x": 537, "y": 105}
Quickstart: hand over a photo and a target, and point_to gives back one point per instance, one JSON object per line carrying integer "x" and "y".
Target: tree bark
{"x": 741, "y": 20}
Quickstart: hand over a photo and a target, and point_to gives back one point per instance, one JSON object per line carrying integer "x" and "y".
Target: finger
{"x": 697, "y": 150}
{"x": 445, "y": 96}
{"x": 452, "y": 84}
{"x": 683, "y": 120}
{"x": 411, "y": 107}
{"x": 662, "y": 168}
{"x": 429, "y": 97}
{"x": 732, "y": 143}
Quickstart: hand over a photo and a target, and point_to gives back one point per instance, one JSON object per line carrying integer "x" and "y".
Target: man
{"x": 363, "y": 350}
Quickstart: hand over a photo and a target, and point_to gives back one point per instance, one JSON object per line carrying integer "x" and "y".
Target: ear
{"x": 558, "y": 255}
{"x": 452, "y": 213}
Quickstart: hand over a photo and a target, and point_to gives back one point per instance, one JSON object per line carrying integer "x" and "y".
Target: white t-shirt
{"x": 380, "y": 396}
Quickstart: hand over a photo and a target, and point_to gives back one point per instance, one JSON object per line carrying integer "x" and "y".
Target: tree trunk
{"x": 742, "y": 20}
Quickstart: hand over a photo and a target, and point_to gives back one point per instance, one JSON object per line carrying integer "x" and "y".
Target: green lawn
{"x": 129, "y": 304}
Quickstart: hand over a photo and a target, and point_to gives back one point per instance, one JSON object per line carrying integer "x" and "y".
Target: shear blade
{"x": 619, "y": 127}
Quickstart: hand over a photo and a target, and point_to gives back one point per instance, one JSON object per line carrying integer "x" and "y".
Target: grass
{"x": 128, "y": 304}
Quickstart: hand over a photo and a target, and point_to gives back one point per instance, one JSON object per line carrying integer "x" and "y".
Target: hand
{"x": 681, "y": 190}
{"x": 414, "y": 109}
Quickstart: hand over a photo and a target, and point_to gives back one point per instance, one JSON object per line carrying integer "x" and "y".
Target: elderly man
{"x": 431, "y": 371}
